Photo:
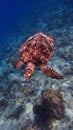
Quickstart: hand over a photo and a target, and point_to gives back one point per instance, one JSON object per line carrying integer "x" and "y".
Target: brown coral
{"x": 53, "y": 102}
{"x": 50, "y": 108}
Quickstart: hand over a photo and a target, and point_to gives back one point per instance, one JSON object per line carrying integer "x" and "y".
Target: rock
{"x": 3, "y": 102}
{"x": 30, "y": 127}
{"x": 9, "y": 125}
{"x": 27, "y": 91}
{"x": 15, "y": 112}
{"x": 68, "y": 71}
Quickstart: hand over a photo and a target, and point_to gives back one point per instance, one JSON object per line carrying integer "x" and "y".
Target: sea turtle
{"x": 37, "y": 50}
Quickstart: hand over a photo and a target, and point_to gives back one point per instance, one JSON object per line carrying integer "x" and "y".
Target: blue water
{"x": 12, "y": 11}
{"x": 20, "y": 19}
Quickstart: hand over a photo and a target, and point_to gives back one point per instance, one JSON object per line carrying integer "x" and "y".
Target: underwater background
{"x": 20, "y": 19}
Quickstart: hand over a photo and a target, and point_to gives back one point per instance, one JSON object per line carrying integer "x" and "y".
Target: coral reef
{"x": 17, "y": 96}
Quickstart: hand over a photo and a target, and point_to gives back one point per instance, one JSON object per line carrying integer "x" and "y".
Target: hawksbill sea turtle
{"x": 37, "y": 50}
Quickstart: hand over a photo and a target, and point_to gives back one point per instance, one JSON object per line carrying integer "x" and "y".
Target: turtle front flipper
{"x": 17, "y": 63}
{"x": 51, "y": 72}
{"x": 29, "y": 70}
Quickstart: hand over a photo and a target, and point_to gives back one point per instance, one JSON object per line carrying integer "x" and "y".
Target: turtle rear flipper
{"x": 51, "y": 72}
{"x": 17, "y": 63}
